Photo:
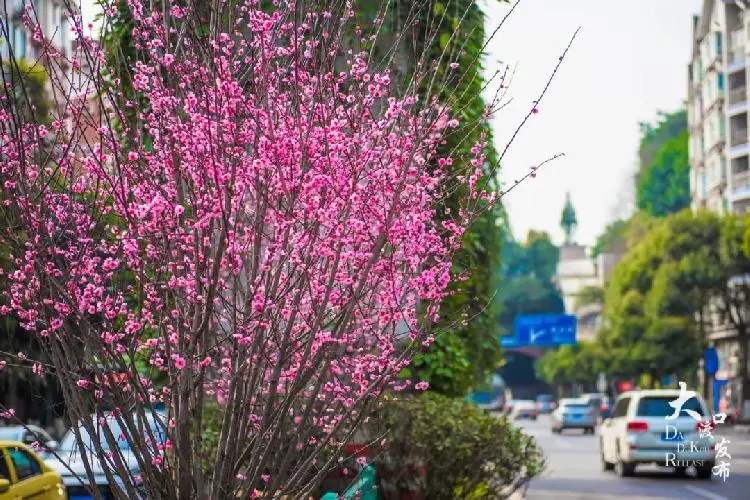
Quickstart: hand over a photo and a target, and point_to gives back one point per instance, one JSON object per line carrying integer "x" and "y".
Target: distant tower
{"x": 568, "y": 220}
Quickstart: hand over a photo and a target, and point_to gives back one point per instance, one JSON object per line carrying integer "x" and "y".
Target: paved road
{"x": 574, "y": 471}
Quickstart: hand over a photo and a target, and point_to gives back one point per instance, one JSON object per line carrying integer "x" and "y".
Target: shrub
{"x": 438, "y": 447}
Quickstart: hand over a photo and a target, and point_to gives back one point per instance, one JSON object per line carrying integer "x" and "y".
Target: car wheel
{"x": 622, "y": 468}
{"x": 591, "y": 430}
{"x": 705, "y": 473}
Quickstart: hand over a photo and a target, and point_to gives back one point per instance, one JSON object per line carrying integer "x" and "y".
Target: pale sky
{"x": 628, "y": 61}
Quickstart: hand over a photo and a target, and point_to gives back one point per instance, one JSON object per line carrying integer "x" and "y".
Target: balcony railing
{"x": 738, "y": 136}
{"x": 740, "y": 180}
{"x": 737, "y": 95}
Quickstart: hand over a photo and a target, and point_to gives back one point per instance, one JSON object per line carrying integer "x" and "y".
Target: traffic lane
{"x": 574, "y": 471}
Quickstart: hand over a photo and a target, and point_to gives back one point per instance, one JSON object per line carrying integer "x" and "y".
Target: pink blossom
{"x": 83, "y": 384}
{"x": 179, "y": 361}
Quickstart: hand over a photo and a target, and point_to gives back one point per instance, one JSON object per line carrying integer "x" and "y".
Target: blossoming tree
{"x": 253, "y": 228}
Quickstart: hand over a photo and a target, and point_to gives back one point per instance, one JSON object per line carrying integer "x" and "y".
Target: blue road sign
{"x": 542, "y": 330}
{"x": 711, "y": 361}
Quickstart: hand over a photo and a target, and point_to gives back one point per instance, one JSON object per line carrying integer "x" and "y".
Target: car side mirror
{"x": 606, "y": 421}
{"x": 4, "y": 485}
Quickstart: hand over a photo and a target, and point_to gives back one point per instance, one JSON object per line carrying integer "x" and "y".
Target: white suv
{"x": 639, "y": 432}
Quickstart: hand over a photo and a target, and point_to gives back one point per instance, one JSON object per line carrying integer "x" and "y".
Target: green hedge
{"x": 438, "y": 447}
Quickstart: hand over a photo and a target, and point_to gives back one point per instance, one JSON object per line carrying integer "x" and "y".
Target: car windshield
{"x": 544, "y": 398}
{"x": 69, "y": 443}
{"x": 659, "y": 406}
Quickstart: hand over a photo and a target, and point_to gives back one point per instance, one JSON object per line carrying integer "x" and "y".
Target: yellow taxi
{"x": 24, "y": 475}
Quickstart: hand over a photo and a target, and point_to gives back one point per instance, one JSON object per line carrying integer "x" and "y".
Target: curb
{"x": 744, "y": 429}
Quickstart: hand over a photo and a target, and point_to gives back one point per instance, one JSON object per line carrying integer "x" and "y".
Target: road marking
{"x": 705, "y": 494}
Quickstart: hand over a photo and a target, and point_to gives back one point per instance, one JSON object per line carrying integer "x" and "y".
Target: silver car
{"x": 545, "y": 403}
{"x": 573, "y": 414}
{"x": 646, "y": 428}
{"x": 70, "y": 463}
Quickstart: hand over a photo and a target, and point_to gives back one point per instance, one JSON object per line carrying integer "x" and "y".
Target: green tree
{"x": 613, "y": 238}
{"x": 578, "y": 363}
{"x": 659, "y": 294}
{"x": 588, "y": 295}
{"x": 568, "y": 219}
{"x": 528, "y": 271}
{"x": 664, "y": 185}
{"x": 470, "y": 314}
{"x": 653, "y": 136}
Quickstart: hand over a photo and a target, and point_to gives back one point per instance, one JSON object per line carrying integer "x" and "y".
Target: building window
{"x": 704, "y": 191}
{"x": 57, "y": 25}
{"x": 720, "y": 81}
{"x": 64, "y": 33}
{"x": 717, "y": 43}
{"x": 19, "y": 42}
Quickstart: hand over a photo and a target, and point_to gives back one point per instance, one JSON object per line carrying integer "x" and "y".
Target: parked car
{"x": 638, "y": 433}
{"x": 594, "y": 399}
{"x": 524, "y": 408}
{"x": 70, "y": 463}
{"x": 545, "y": 403}
{"x": 23, "y": 474}
{"x": 573, "y": 414}
{"x": 29, "y": 435}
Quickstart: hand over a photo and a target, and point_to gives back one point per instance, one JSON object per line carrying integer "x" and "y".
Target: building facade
{"x": 577, "y": 270}
{"x": 719, "y": 147}
{"x": 52, "y": 18}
